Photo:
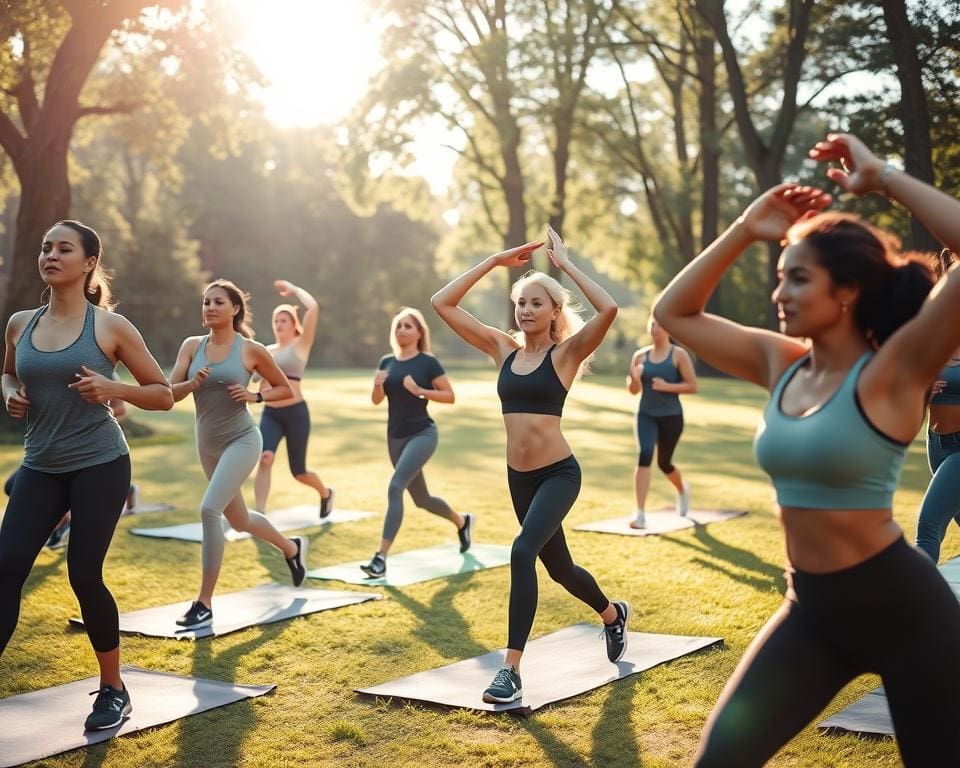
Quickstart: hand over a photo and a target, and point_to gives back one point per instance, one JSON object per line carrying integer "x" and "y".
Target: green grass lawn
{"x": 723, "y": 580}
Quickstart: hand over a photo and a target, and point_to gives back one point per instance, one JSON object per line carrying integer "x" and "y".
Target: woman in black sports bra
{"x": 537, "y": 368}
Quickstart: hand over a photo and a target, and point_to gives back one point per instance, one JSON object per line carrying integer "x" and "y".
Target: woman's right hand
{"x": 199, "y": 377}
{"x": 17, "y": 403}
{"x": 517, "y": 257}
{"x": 779, "y": 208}
{"x": 380, "y": 377}
{"x": 860, "y": 170}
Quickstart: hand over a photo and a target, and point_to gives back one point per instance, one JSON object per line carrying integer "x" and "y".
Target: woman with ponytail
{"x": 537, "y": 368}
{"x": 862, "y": 336}
{"x": 57, "y": 373}
{"x": 217, "y": 369}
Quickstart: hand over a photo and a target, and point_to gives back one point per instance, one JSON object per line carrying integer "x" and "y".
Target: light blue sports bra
{"x": 950, "y": 395}
{"x": 833, "y": 458}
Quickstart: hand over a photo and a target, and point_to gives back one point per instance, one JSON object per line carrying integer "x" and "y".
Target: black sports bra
{"x": 539, "y": 391}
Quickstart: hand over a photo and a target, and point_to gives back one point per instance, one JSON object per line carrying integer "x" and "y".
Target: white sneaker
{"x": 640, "y": 521}
{"x": 683, "y": 500}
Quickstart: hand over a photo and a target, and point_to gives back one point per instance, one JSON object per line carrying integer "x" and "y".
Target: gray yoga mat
{"x": 556, "y": 667}
{"x": 265, "y": 604}
{"x": 44, "y": 723}
{"x": 869, "y": 715}
{"x": 661, "y": 521}
{"x": 292, "y": 519}
{"x": 420, "y": 565}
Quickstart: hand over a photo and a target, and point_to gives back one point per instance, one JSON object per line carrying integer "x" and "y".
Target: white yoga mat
{"x": 661, "y": 521}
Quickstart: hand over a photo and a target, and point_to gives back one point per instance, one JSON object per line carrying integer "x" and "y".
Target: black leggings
{"x": 95, "y": 497}
{"x": 660, "y": 431}
{"x": 292, "y": 422}
{"x": 541, "y": 498}
{"x": 892, "y": 615}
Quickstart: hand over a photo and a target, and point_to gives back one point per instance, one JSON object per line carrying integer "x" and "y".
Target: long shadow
{"x": 766, "y": 575}
{"x": 614, "y": 741}
{"x": 450, "y": 636}
{"x": 216, "y": 737}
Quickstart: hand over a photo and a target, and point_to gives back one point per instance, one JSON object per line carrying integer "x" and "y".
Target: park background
{"x": 367, "y": 151}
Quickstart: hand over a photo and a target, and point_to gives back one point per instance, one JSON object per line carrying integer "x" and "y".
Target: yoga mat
{"x": 661, "y": 521}
{"x": 295, "y": 518}
{"x": 237, "y": 610}
{"x": 43, "y": 723}
{"x": 420, "y": 565}
{"x": 870, "y": 714}
{"x": 555, "y": 667}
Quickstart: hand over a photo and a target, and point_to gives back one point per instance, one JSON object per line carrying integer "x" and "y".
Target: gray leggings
{"x": 408, "y": 455}
{"x": 226, "y": 468}
{"x": 941, "y": 503}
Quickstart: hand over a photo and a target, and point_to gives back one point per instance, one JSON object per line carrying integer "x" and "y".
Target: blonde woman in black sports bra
{"x": 537, "y": 368}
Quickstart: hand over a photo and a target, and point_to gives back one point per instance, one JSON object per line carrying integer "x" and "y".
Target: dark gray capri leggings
{"x": 892, "y": 615}
{"x": 408, "y": 456}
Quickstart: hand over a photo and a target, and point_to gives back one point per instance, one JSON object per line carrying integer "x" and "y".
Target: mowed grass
{"x": 722, "y": 580}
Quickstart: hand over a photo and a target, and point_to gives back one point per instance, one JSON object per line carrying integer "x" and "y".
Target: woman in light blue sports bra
{"x": 216, "y": 369}
{"x": 941, "y": 502}
{"x": 290, "y": 418}
{"x": 861, "y": 339}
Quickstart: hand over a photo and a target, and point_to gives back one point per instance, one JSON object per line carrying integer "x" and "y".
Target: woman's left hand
{"x": 93, "y": 387}
{"x": 410, "y": 385}
{"x": 240, "y": 393}
{"x": 283, "y": 287}
{"x": 557, "y": 252}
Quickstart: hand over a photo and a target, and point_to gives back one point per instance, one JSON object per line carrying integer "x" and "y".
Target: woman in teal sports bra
{"x": 290, "y": 418}
{"x": 941, "y": 502}
{"x": 862, "y": 336}
{"x": 216, "y": 369}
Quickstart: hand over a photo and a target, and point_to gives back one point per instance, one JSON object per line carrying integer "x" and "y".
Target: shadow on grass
{"x": 765, "y": 576}
{"x": 442, "y": 626}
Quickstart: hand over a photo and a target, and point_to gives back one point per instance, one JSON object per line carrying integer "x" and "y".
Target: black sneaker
{"x": 298, "y": 563}
{"x": 616, "y": 633}
{"x": 377, "y": 566}
{"x": 465, "y": 534}
{"x": 197, "y": 615}
{"x": 58, "y": 539}
{"x": 326, "y": 505}
{"x": 506, "y": 687}
{"x": 109, "y": 708}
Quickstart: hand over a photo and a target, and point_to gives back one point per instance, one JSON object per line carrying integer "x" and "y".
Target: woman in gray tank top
{"x": 216, "y": 369}
{"x": 57, "y": 374}
{"x": 659, "y": 373}
{"x": 290, "y": 418}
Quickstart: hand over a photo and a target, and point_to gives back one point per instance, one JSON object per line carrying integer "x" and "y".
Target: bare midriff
{"x": 828, "y": 540}
{"x": 534, "y": 440}
{"x": 294, "y": 387}
{"x": 945, "y": 419}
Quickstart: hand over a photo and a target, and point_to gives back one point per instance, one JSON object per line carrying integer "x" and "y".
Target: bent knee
{"x": 266, "y": 459}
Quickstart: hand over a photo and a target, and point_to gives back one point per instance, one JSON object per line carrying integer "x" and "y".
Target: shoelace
{"x": 612, "y": 629}
{"x": 503, "y": 677}
{"x": 105, "y": 699}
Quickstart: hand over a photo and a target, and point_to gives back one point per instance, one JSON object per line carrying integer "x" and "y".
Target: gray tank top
{"x": 220, "y": 418}
{"x": 65, "y": 432}
{"x": 652, "y": 402}
{"x": 288, "y": 362}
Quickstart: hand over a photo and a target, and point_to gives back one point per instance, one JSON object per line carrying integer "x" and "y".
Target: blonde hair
{"x": 568, "y": 320}
{"x": 423, "y": 344}
{"x": 291, "y": 310}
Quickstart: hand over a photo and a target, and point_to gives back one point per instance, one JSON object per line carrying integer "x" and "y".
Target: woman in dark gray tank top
{"x": 58, "y": 375}
{"x": 290, "y": 418}
{"x": 216, "y": 369}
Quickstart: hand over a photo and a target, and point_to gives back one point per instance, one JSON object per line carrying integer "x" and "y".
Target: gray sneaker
{"x": 465, "y": 534}
{"x": 377, "y": 566}
{"x": 505, "y": 687}
{"x": 616, "y": 633}
{"x": 109, "y": 708}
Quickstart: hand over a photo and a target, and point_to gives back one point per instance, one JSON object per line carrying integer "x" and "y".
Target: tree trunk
{"x": 706, "y": 60}
{"x": 914, "y": 112}
{"x": 563, "y": 122}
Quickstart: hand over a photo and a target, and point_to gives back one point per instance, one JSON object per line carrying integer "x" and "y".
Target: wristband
{"x": 259, "y": 397}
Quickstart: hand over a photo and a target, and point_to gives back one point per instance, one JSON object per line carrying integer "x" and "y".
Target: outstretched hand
{"x": 860, "y": 169}
{"x": 779, "y": 208}
{"x": 519, "y": 256}
{"x": 557, "y": 252}
{"x": 283, "y": 287}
